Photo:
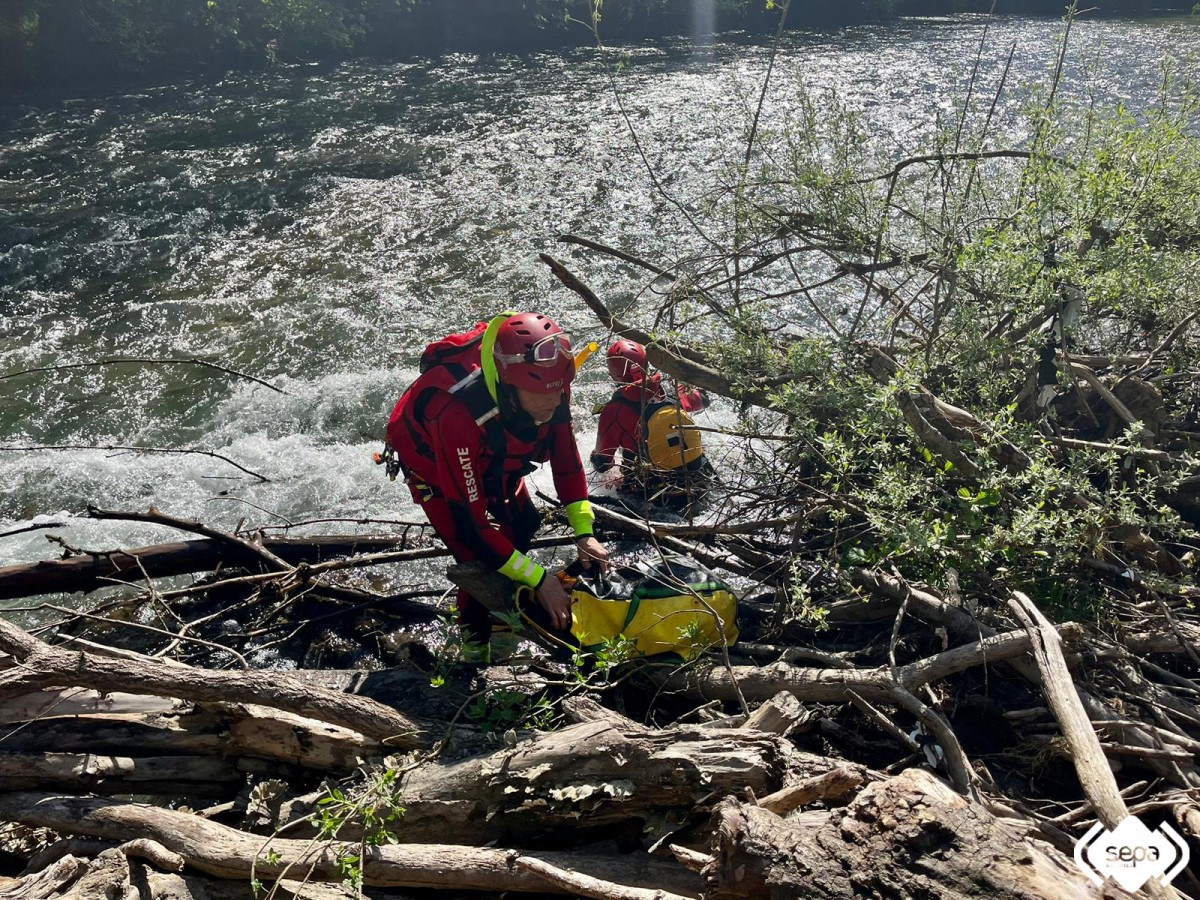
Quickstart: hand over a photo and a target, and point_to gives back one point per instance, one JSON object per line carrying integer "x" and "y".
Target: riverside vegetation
{"x": 48, "y": 42}
{"x": 965, "y": 521}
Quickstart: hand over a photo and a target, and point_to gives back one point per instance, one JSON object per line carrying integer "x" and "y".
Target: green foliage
{"x": 981, "y": 254}
{"x": 501, "y": 709}
{"x": 44, "y": 40}
{"x": 372, "y": 807}
{"x": 599, "y": 665}
{"x": 375, "y": 807}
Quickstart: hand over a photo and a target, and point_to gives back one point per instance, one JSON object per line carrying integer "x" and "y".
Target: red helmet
{"x": 627, "y": 361}
{"x": 533, "y": 353}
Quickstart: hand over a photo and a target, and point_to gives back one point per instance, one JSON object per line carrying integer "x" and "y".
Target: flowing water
{"x": 315, "y": 226}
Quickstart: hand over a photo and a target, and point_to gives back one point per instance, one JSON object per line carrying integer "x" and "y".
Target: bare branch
{"x": 115, "y": 447}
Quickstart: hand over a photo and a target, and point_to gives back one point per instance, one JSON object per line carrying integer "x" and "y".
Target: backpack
{"x": 452, "y": 348}
{"x": 670, "y": 438}
{"x": 447, "y": 366}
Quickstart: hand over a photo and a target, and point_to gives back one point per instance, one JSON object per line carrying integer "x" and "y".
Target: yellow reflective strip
{"x": 487, "y": 355}
{"x": 581, "y": 517}
{"x": 522, "y": 569}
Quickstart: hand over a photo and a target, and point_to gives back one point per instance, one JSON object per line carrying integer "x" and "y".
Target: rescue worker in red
{"x": 620, "y": 427}
{"x": 490, "y": 405}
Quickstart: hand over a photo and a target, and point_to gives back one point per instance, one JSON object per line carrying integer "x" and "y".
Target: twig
{"x": 654, "y": 179}
{"x": 28, "y": 528}
{"x": 167, "y": 450}
{"x": 145, "y": 361}
{"x": 613, "y": 251}
{"x": 975, "y": 154}
{"x": 155, "y": 517}
{"x": 957, "y": 764}
{"x": 687, "y": 367}
{"x": 832, "y": 785}
{"x": 588, "y": 886}
{"x": 1167, "y": 342}
{"x": 150, "y": 628}
{"x": 884, "y": 722}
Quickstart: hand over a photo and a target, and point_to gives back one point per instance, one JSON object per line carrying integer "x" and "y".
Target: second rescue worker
{"x": 491, "y": 404}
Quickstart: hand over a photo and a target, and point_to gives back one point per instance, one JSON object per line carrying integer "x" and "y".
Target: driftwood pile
{"x": 279, "y": 725}
{"x": 127, "y": 772}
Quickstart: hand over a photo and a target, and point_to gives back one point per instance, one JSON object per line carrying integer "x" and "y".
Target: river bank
{"x": 72, "y": 45}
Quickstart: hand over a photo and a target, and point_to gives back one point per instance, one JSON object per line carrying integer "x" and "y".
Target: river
{"x": 315, "y": 226}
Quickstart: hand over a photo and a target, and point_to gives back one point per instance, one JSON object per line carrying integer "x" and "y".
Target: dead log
{"x": 228, "y": 853}
{"x": 779, "y": 715}
{"x": 239, "y": 730}
{"x": 961, "y": 625}
{"x": 578, "y": 710}
{"x": 832, "y": 685}
{"x": 87, "y": 573}
{"x": 72, "y": 878}
{"x": 44, "y": 666}
{"x": 1164, "y": 641}
{"x": 588, "y": 886}
{"x": 1093, "y": 770}
{"x": 197, "y": 777}
{"x": 587, "y": 777}
{"x": 39, "y": 704}
{"x": 835, "y": 785}
{"x": 907, "y": 837}
{"x": 119, "y": 873}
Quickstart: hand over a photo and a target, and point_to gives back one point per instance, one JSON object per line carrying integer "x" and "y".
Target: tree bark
{"x": 595, "y": 776}
{"x": 45, "y": 666}
{"x": 211, "y": 729}
{"x": 228, "y": 853}
{"x": 715, "y": 682}
{"x": 906, "y": 838}
{"x": 87, "y": 573}
{"x": 118, "y": 873}
{"x": 181, "y": 776}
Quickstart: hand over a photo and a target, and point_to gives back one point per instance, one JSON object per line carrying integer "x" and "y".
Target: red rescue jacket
{"x": 462, "y": 442}
{"x": 620, "y": 426}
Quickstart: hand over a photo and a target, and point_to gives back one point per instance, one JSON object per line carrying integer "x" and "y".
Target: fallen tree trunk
{"x": 961, "y": 625}
{"x": 192, "y": 777}
{"x": 228, "y": 853}
{"x": 832, "y": 685}
{"x": 910, "y": 836}
{"x": 44, "y": 666}
{"x": 209, "y": 729}
{"x": 591, "y": 776}
{"x": 1093, "y": 769}
{"x": 93, "y": 571}
{"x": 116, "y": 872}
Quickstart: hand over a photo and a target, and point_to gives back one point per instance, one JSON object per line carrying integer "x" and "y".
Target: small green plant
{"x": 501, "y": 709}
{"x": 801, "y": 607}
{"x": 373, "y": 808}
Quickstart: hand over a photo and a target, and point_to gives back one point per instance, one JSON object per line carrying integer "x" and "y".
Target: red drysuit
{"x": 465, "y": 449}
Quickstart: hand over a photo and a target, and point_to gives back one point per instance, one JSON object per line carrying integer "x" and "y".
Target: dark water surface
{"x": 315, "y": 226}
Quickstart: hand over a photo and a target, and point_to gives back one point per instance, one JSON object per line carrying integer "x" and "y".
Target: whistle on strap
{"x": 583, "y": 355}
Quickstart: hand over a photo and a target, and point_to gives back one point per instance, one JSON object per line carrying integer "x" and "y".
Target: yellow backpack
{"x": 670, "y": 438}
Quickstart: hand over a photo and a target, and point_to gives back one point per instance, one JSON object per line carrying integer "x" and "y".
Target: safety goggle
{"x": 544, "y": 352}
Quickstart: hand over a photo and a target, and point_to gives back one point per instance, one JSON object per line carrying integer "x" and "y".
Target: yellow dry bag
{"x": 678, "y": 609}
